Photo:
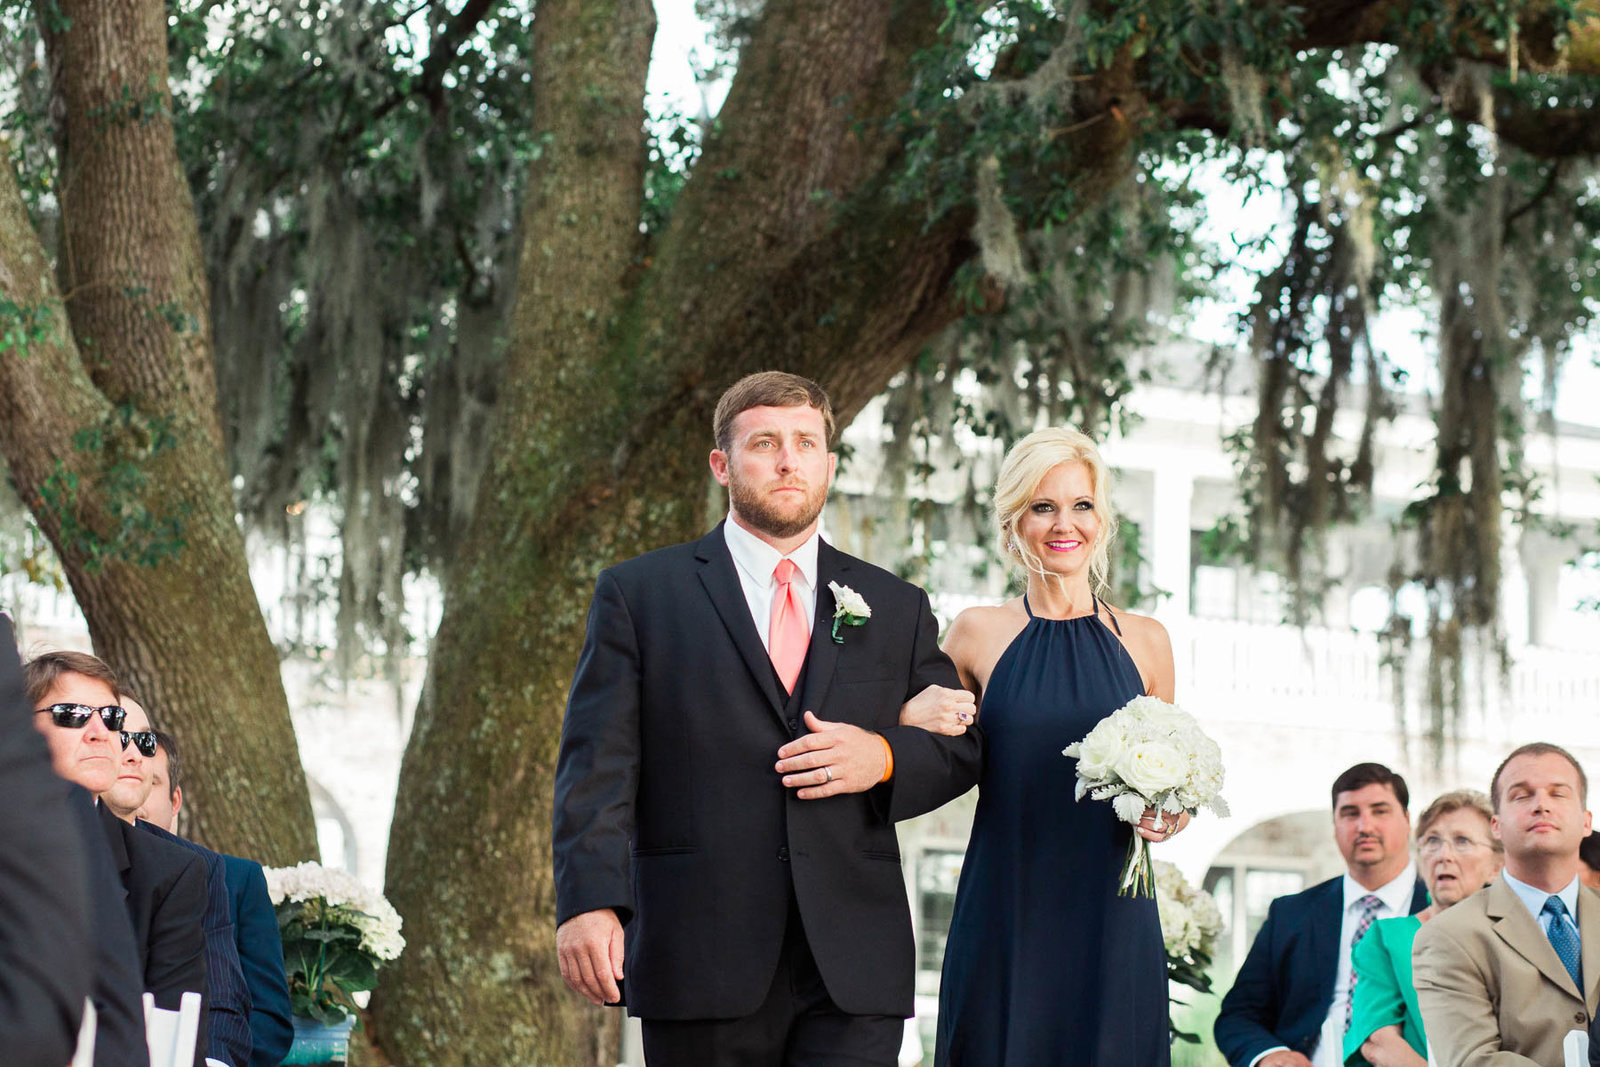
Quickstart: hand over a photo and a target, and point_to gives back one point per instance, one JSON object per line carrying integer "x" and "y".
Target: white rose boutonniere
{"x": 849, "y": 609}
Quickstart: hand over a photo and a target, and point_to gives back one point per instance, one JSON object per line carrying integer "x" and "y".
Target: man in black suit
{"x": 1289, "y": 1005}
{"x": 164, "y": 886}
{"x": 255, "y": 922}
{"x": 226, "y": 1038}
{"x": 731, "y": 770}
{"x": 46, "y": 953}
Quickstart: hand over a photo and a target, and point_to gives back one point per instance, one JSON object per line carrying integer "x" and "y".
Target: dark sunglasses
{"x": 76, "y": 716}
{"x": 143, "y": 740}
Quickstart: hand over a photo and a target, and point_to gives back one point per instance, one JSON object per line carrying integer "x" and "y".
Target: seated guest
{"x": 227, "y": 1033}
{"x": 1459, "y": 856}
{"x": 1289, "y": 1005}
{"x": 163, "y": 885}
{"x": 1504, "y": 976}
{"x": 255, "y": 923}
{"x": 1589, "y": 860}
{"x": 46, "y": 951}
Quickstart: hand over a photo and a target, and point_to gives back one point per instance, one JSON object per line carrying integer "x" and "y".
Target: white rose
{"x": 1100, "y": 753}
{"x": 1153, "y": 767}
{"x": 849, "y": 601}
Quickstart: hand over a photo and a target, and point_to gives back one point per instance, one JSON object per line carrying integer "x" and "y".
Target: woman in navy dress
{"x": 1045, "y": 964}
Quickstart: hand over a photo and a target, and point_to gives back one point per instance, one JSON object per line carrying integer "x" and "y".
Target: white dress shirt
{"x": 1534, "y": 900}
{"x": 1394, "y": 899}
{"x": 755, "y": 560}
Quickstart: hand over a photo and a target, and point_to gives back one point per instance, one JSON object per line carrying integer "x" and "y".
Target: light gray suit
{"x": 1493, "y": 991}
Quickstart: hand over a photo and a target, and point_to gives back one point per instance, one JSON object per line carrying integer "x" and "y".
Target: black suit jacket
{"x": 227, "y": 1034}
{"x": 667, "y": 807}
{"x": 1282, "y": 993}
{"x": 46, "y": 950}
{"x": 165, "y": 887}
{"x": 255, "y": 927}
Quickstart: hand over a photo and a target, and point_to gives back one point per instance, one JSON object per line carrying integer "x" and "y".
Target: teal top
{"x": 1384, "y": 994}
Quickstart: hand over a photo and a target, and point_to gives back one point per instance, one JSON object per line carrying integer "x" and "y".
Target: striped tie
{"x": 1369, "y": 912}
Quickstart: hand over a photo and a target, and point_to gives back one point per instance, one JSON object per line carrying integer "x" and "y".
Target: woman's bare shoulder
{"x": 984, "y": 622}
{"x": 1140, "y": 627}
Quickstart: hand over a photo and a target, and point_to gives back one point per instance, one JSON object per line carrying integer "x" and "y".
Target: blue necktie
{"x": 1564, "y": 939}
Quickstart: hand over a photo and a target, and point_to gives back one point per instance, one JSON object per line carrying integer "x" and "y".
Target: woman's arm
{"x": 1386, "y": 1048}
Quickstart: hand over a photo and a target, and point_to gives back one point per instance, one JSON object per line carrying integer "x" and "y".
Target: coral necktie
{"x": 788, "y": 634}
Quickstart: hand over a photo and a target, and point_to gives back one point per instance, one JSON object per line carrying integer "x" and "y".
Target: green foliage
{"x": 133, "y": 108}
{"x": 22, "y": 327}
{"x": 114, "y": 516}
{"x": 324, "y": 960}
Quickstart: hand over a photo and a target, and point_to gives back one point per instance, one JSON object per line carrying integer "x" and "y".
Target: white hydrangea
{"x": 344, "y": 895}
{"x": 1190, "y": 919}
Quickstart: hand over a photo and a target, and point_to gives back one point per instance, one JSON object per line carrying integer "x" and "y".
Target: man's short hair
{"x": 42, "y": 671}
{"x": 768, "y": 389}
{"x": 169, "y": 744}
{"x": 1458, "y": 800}
{"x": 1365, "y": 774}
{"x": 1540, "y": 748}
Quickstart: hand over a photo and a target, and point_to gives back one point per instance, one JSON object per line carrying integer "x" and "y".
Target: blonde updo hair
{"x": 1025, "y": 468}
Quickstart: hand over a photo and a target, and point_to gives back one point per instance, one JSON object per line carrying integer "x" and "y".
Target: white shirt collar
{"x": 758, "y": 560}
{"x": 1534, "y": 898}
{"x": 1396, "y": 895}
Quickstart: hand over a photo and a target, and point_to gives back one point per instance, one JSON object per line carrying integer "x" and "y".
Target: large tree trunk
{"x": 601, "y": 442}
{"x": 786, "y": 250}
{"x": 110, "y": 429}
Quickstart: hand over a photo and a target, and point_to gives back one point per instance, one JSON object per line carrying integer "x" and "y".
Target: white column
{"x": 1167, "y": 540}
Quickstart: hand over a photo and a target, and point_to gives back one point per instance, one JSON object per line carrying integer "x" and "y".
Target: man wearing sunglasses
{"x": 255, "y": 923}
{"x": 75, "y": 706}
{"x": 227, "y": 1037}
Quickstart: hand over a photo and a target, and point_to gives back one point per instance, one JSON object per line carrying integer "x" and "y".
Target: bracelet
{"x": 888, "y": 755}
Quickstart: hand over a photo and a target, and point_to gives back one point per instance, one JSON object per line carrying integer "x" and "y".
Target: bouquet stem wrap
{"x": 1138, "y": 873}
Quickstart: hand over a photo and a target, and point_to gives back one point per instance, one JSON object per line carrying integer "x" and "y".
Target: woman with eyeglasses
{"x": 1458, "y": 856}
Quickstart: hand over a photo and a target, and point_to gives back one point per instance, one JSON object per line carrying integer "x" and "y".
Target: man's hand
{"x": 834, "y": 758}
{"x": 1283, "y": 1058}
{"x": 940, "y": 711}
{"x": 589, "y": 947}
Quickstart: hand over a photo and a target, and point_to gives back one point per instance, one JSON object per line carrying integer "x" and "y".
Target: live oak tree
{"x": 881, "y": 169}
{"x": 109, "y": 427}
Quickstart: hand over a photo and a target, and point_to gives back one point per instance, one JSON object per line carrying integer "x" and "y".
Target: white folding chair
{"x": 171, "y": 1034}
{"x": 84, "y": 1057}
{"x": 1576, "y": 1048}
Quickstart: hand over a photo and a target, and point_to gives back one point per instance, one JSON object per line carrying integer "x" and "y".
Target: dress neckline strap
{"x": 1095, "y": 614}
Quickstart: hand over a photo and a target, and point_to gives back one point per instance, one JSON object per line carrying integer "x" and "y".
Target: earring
{"x": 1011, "y": 546}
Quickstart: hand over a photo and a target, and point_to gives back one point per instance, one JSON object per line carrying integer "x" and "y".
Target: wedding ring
{"x": 829, "y": 772}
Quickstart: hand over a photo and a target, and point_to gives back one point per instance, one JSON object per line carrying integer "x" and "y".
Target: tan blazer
{"x": 1493, "y": 992}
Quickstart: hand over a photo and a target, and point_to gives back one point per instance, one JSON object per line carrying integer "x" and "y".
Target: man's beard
{"x": 754, "y": 509}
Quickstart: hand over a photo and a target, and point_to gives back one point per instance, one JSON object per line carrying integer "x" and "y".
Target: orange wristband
{"x": 888, "y": 755}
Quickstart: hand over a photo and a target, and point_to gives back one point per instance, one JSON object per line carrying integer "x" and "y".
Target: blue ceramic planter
{"x": 315, "y": 1043}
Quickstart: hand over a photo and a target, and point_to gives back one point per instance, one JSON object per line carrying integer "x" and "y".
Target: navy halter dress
{"x": 1046, "y": 966}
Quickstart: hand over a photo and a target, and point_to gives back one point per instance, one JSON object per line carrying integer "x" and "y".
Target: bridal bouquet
{"x": 1148, "y": 754}
{"x": 1190, "y": 925}
{"x": 335, "y": 933}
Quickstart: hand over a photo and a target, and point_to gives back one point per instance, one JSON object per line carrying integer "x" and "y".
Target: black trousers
{"x": 798, "y": 1025}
